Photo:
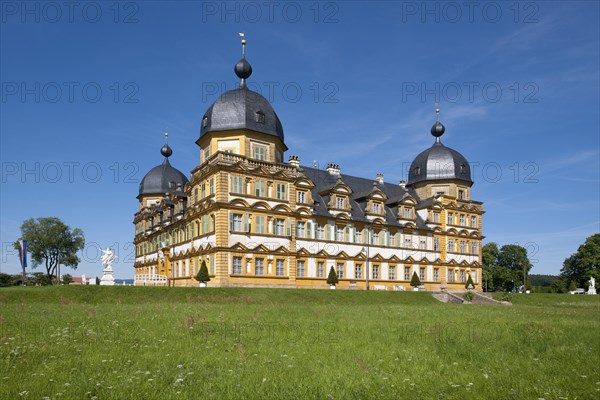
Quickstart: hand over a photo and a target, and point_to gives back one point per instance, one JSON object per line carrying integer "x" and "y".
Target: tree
{"x": 67, "y": 279}
{"x": 469, "y": 284}
{"x": 202, "y": 275}
{"x": 490, "y": 262}
{"x": 415, "y": 281}
{"x": 584, "y": 263}
{"x": 572, "y": 286}
{"x": 50, "y": 242}
{"x": 332, "y": 278}
{"x": 514, "y": 258}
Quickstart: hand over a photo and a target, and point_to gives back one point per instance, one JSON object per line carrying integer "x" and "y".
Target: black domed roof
{"x": 242, "y": 108}
{"x": 439, "y": 162}
{"x": 162, "y": 178}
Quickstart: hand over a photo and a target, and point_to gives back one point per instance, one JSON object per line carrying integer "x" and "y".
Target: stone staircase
{"x": 457, "y": 298}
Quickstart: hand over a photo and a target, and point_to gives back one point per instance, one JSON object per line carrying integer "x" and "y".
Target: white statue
{"x": 108, "y": 257}
{"x": 592, "y": 288}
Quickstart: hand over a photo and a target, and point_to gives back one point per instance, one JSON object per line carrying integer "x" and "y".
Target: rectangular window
{"x": 392, "y": 273}
{"x": 236, "y": 222}
{"x": 474, "y": 276}
{"x": 340, "y": 270}
{"x": 358, "y": 271}
{"x": 212, "y": 185}
{"x": 375, "y": 271}
{"x": 279, "y": 227}
{"x": 259, "y": 152}
{"x": 450, "y": 275}
{"x": 259, "y": 224}
{"x": 300, "y": 229}
{"x": 237, "y": 184}
{"x": 339, "y": 233}
{"x": 462, "y": 246}
{"x": 195, "y": 195}
{"x": 340, "y": 202}
{"x": 408, "y": 241}
{"x": 203, "y": 186}
{"x": 376, "y": 208}
{"x": 462, "y": 219}
{"x": 259, "y": 266}
{"x": 237, "y": 265}
{"x": 436, "y": 217}
{"x": 462, "y": 275}
{"x": 450, "y": 218}
{"x": 423, "y": 244}
{"x": 461, "y": 194}
{"x": 301, "y": 197}
{"x": 422, "y": 274}
{"x": 406, "y": 212}
{"x": 473, "y": 222}
{"x": 451, "y": 245}
{"x": 300, "y": 269}
{"x": 206, "y": 153}
{"x": 279, "y": 267}
{"x": 320, "y": 269}
{"x": 375, "y": 237}
{"x": 357, "y": 236}
{"x": 281, "y": 191}
{"x": 407, "y": 273}
{"x": 474, "y": 248}
{"x": 436, "y": 244}
{"x": 259, "y": 188}
{"x": 436, "y": 274}
{"x": 320, "y": 232}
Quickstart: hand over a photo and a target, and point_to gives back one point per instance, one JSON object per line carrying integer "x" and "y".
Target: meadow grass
{"x": 91, "y": 342}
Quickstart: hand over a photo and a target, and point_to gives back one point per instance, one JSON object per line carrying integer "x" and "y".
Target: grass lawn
{"x": 91, "y": 342}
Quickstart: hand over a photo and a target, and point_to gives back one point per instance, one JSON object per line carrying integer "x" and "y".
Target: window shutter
{"x": 246, "y": 225}
{"x": 230, "y": 221}
{"x": 288, "y": 228}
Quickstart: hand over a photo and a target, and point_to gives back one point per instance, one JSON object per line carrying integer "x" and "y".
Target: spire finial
{"x": 437, "y": 129}
{"x": 243, "y": 44}
{"x": 166, "y": 150}
{"x": 243, "y": 69}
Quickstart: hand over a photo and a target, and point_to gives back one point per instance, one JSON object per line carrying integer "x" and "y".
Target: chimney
{"x": 402, "y": 183}
{"x": 294, "y": 161}
{"x": 379, "y": 178}
{"x": 333, "y": 169}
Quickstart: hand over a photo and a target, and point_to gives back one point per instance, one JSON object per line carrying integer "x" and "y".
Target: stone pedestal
{"x": 591, "y": 291}
{"x": 107, "y": 277}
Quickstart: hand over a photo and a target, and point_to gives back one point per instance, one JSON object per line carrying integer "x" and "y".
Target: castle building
{"x": 258, "y": 221}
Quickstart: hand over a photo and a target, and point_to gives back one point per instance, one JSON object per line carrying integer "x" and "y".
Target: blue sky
{"x": 88, "y": 91}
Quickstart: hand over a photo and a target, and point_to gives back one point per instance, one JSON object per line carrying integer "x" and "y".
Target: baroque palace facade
{"x": 259, "y": 221}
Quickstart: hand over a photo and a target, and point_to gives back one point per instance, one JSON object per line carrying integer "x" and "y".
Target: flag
{"x": 23, "y": 253}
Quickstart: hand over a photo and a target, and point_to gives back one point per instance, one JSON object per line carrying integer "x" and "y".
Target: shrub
{"x": 332, "y": 278}
{"x": 505, "y": 297}
{"x": 572, "y": 286}
{"x": 202, "y": 275}
{"x": 67, "y": 279}
{"x": 468, "y": 296}
{"x": 469, "y": 284}
{"x": 415, "y": 281}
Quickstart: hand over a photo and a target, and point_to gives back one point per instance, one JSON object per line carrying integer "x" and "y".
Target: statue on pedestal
{"x": 592, "y": 288}
{"x": 107, "y": 259}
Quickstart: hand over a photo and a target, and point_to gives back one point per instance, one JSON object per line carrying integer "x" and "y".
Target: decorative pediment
{"x": 304, "y": 182}
{"x": 239, "y": 247}
{"x": 282, "y": 208}
{"x": 239, "y": 203}
{"x": 261, "y": 249}
{"x": 303, "y": 252}
{"x": 377, "y": 257}
{"x": 304, "y": 211}
{"x": 342, "y": 254}
{"x": 409, "y": 259}
{"x": 261, "y": 205}
{"x": 281, "y": 250}
{"x": 453, "y": 262}
{"x": 463, "y": 232}
{"x": 323, "y": 253}
{"x": 394, "y": 258}
{"x": 463, "y": 263}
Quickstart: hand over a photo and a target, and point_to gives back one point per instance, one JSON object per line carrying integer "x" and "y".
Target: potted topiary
{"x": 332, "y": 279}
{"x": 469, "y": 285}
{"x": 415, "y": 282}
{"x": 202, "y": 275}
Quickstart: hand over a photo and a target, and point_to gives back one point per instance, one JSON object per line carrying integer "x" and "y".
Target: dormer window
{"x": 463, "y": 169}
{"x": 340, "y": 202}
{"x": 205, "y": 121}
{"x": 418, "y": 171}
{"x": 406, "y": 212}
{"x": 376, "y": 208}
{"x": 260, "y": 117}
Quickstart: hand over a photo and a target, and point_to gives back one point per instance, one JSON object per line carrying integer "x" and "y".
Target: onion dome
{"x": 439, "y": 162}
{"x": 242, "y": 108}
{"x": 163, "y": 178}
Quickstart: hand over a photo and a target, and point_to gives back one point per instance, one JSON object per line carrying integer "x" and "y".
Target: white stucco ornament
{"x": 108, "y": 257}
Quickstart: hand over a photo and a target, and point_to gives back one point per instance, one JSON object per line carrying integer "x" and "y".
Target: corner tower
{"x": 440, "y": 170}
{"x": 242, "y": 122}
